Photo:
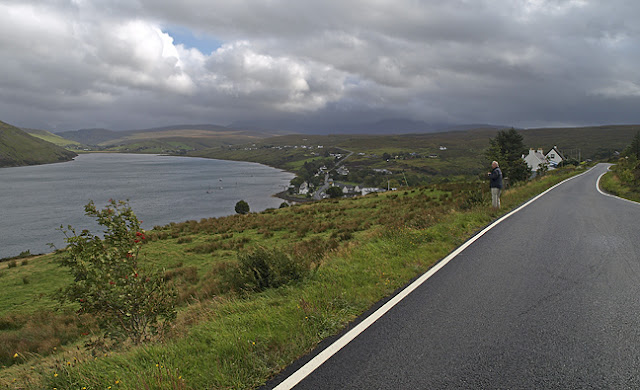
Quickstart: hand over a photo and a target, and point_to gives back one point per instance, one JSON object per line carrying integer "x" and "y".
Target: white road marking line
{"x": 610, "y": 195}
{"x": 337, "y": 345}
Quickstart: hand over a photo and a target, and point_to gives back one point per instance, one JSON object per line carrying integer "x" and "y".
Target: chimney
{"x": 540, "y": 151}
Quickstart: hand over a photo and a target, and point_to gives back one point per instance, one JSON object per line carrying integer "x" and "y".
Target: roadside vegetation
{"x": 624, "y": 178}
{"x": 253, "y": 291}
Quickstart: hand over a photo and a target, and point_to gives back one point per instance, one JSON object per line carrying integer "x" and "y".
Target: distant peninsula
{"x": 18, "y": 148}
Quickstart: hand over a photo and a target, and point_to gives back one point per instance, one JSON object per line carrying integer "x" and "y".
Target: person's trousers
{"x": 495, "y": 197}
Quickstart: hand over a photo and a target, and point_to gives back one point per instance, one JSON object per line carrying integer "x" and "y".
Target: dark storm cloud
{"x": 80, "y": 63}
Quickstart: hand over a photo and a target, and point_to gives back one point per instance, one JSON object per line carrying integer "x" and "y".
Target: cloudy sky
{"x": 125, "y": 64}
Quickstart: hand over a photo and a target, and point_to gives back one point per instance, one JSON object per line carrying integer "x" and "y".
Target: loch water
{"x": 36, "y": 200}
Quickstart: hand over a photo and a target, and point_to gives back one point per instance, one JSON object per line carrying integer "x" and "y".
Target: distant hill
{"x": 18, "y": 148}
{"x": 388, "y": 126}
{"x": 170, "y": 139}
{"x": 50, "y": 137}
{"x": 597, "y": 142}
{"x": 420, "y": 157}
{"x": 89, "y": 136}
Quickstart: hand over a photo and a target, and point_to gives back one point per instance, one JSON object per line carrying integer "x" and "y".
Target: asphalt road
{"x": 547, "y": 299}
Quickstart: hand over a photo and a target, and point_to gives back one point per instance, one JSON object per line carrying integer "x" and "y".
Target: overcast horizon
{"x": 136, "y": 64}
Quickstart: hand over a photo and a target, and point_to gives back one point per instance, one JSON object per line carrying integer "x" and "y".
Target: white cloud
{"x": 500, "y": 61}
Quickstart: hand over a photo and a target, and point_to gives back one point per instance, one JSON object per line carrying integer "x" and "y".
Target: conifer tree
{"x": 507, "y": 149}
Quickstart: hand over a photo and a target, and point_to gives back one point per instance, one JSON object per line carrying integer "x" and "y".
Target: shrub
{"x": 242, "y": 207}
{"x": 128, "y": 301}
{"x": 12, "y": 264}
{"x": 185, "y": 240}
{"x": 38, "y": 333}
{"x": 473, "y": 198}
{"x": 263, "y": 268}
{"x": 335, "y": 192}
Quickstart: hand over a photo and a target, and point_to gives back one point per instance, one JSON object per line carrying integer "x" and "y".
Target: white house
{"x": 304, "y": 189}
{"x": 535, "y": 159}
{"x": 369, "y": 190}
{"x": 342, "y": 171}
{"x": 554, "y": 157}
{"x": 347, "y": 189}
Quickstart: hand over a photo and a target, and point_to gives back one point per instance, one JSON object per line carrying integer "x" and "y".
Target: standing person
{"x": 495, "y": 183}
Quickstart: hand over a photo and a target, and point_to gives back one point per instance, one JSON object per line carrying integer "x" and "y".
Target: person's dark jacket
{"x": 495, "y": 178}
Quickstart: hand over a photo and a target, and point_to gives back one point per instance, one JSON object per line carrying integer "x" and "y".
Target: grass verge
{"x": 611, "y": 183}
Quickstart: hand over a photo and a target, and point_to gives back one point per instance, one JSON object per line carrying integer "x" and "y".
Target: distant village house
{"x": 554, "y": 157}
{"x": 537, "y": 159}
{"x": 304, "y": 189}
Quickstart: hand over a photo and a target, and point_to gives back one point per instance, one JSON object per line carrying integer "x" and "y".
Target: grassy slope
{"x": 463, "y": 157}
{"x": 223, "y": 340}
{"x": 19, "y": 148}
{"x": 611, "y": 183}
{"x": 50, "y": 137}
{"x": 163, "y": 140}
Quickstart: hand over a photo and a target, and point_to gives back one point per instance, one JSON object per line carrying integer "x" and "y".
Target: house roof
{"x": 555, "y": 149}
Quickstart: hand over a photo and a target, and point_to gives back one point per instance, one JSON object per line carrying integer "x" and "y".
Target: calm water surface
{"x": 36, "y": 200}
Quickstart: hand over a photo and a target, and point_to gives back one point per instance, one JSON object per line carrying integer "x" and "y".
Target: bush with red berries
{"x": 128, "y": 301}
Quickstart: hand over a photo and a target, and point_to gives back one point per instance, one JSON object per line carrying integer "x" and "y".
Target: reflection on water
{"x": 36, "y": 200}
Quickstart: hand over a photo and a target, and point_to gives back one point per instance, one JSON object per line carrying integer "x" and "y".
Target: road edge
{"x": 304, "y": 371}
{"x": 602, "y": 192}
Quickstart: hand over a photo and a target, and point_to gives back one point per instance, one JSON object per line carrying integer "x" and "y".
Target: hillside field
{"x": 53, "y": 138}
{"x": 170, "y": 140}
{"x": 419, "y": 158}
{"x": 18, "y": 148}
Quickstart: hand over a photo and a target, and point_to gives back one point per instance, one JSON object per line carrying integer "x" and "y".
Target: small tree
{"x": 335, "y": 192}
{"x": 633, "y": 150}
{"x": 242, "y": 207}
{"x": 128, "y": 301}
{"x": 507, "y": 149}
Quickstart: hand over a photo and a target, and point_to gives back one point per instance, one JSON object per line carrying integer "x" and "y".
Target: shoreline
{"x": 284, "y": 195}
{"x": 16, "y": 245}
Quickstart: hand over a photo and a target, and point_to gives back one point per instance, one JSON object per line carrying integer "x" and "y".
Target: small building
{"x": 304, "y": 188}
{"x": 443, "y": 148}
{"x": 554, "y": 157}
{"x": 369, "y": 190}
{"x": 535, "y": 159}
{"x": 348, "y": 189}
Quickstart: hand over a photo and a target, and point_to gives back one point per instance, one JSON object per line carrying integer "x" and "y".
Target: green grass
{"x": 611, "y": 183}
{"x": 225, "y": 339}
{"x": 19, "y": 148}
{"x": 53, "y": 138}
{"x": 27, "y": 288}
